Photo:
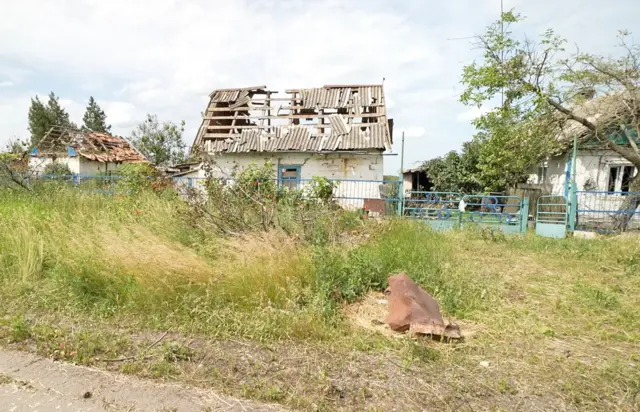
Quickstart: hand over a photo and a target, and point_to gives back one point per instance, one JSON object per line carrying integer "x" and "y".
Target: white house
{"x": 603, "y": 177}
{"x": 86, "y": 153}
{"x": 337, "y": 132}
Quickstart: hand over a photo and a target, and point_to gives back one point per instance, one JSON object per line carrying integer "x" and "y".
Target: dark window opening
{"x": 613, "y": 177}
{"x": 627, "y": 174}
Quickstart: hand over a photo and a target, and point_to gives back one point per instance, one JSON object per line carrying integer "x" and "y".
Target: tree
{"x": 455, "y": 172}
{"x": 94, "y": 118}
{"x": 16, "y": 146}
{"x": 39, "y": 122}
{"x": 42, "y": 117}
{"x": 545, "y": 95}
{"x": 162, "y": 143}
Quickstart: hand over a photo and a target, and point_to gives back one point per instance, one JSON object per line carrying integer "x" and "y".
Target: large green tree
{"x": 43, "y": 116}
{"x": 161, "y": 143}
{"x": 456, "y": 172}
{"x": 95, "y": 118}
{"x": 543, "y": 92}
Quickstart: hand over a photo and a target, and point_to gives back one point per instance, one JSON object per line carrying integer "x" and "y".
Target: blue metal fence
{"x": 607, "y": 212}
{"x": 440, "y": 210}
{"x": 551, "y": 216}
{"x": 379, "y": 197}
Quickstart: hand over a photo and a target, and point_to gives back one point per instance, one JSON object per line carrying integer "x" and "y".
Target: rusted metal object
{"x": 414, "y": 310}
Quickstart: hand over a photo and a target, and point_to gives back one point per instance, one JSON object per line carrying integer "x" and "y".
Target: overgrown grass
{"x": 87, "y": 276}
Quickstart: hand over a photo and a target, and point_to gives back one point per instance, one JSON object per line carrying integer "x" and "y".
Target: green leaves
{"x": 533, "y": 91}
{"x": 162, "y": 143}
{"x": 42, "y": 117}
{"x": 94, "y": 118}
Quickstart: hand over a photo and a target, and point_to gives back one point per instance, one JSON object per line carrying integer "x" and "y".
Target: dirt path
{"x": 30, "y": 383}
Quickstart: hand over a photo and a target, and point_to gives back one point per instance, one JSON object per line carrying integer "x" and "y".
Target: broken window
{"x": 627, "y": 174}
{"x": 620, "y": 178}
{"x": 542, "y": 174}
{"x": 613, "y": 178}
{"x": 289, "y": 176}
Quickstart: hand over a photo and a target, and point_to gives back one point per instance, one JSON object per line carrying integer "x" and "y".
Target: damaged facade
{"x": 334, "y": 131}
{"x": 86, "y": 153}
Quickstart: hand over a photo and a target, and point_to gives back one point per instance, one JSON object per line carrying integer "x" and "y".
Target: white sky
{"x": 165, "y": 56}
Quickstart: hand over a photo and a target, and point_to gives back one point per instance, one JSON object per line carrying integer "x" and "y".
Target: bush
{"x": 57, "y": 169}
{"x": 321, "y": 188}
{"x": 136, "y": 177}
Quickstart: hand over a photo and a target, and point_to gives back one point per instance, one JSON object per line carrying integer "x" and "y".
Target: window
{"x": 620, "y": 178}
{"x": 289, "y": 176}
{"x": 542, "y": 174}
{"x": 627, "y": 173}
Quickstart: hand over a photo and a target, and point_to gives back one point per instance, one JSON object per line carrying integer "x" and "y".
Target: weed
{"x": 20, "y": 329}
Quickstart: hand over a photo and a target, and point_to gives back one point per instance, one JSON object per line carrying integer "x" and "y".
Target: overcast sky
{"x": 165, "y": 56}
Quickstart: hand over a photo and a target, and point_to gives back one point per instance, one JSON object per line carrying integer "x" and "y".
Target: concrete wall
{"x": 555, "y": 178}
{"x": 332, "y": 166}
{"x": 356, "y": 167}
{"x": 593, "y": 169}
{"x": 39, "y": 163}
{"x": 93, "y": 168}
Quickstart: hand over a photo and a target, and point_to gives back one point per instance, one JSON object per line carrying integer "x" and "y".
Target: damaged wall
{"x": 363, "y": 172}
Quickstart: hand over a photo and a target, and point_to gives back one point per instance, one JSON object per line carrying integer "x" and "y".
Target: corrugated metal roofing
{"x": 339, "y": 124}
{"x": 352, "y": 101}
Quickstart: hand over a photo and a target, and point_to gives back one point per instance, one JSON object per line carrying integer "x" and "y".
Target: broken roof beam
{"x": 239, "y": 89}
{"x": 294, "y": 116}
{"x": 232, "y": 127}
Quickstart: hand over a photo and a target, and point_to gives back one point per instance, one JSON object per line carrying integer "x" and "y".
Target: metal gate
{"x": 551, "y": 217}
{"x": 437, "y": 209}
{"x": 506, "y": 213}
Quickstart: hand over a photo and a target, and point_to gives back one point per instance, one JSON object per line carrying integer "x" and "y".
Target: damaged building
{"x": 333, "y": 131}
{"x": 85, "y": 153}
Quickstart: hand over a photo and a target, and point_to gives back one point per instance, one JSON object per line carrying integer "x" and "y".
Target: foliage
{"x": 321, "y": 188}
{"x": 276, "y": 306}
{"x": 541, "y": 93}
{"x": 256, "y": 181}
{"x": 94, "y": 118}
{"x": 162, "y": 143}
{"x": 42, "y": 117}
{"x": 456, "y": 172}
{"x": 57, "y": 169}
{"x": 135, "y": 178}
{"x": 16, "y": 146}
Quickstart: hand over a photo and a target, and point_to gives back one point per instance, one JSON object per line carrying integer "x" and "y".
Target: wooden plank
{"x": 292, "y": 116}
{"x": 246, "y": 109}
{"x": 228, "y": 127}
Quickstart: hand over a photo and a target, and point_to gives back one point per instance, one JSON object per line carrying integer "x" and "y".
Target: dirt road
{"x": 30, "y": 383}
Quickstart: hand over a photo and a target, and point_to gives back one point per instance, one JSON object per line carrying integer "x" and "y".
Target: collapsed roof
{"x": 324, "y": 119}
{"x": 100, "y": 147}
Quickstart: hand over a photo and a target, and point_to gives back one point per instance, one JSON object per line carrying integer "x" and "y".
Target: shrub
{"x": 57, "y": 169}
{"x": 136, "y": 177}
{"x": 321, "y": 188}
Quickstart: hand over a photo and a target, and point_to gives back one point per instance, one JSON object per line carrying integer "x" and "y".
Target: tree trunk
{"x": 630, "y": 205}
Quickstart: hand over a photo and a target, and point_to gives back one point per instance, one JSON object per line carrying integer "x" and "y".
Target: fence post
{"x": 524, "y": 215}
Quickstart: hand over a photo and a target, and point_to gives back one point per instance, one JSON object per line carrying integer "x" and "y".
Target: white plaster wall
{"x": 555, "y": 179}
{"x": 93, "y": 168}
{"x": 592, "y": 166}
{"x": 39, "y": 163}
{"x": 360, "y": 173}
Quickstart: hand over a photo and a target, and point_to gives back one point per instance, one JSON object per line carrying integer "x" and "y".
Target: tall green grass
{"x": 142, "y": 259}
